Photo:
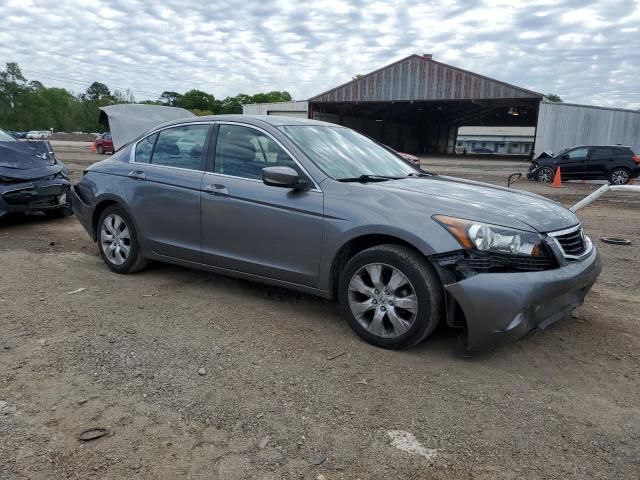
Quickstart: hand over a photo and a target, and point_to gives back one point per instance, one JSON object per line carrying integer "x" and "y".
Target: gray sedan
{"x": 320, "y": 208}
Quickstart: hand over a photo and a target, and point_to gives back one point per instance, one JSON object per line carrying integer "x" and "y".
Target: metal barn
{"x": 417, "y": 105}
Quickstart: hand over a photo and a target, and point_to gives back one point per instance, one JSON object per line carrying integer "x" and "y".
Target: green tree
{"x": 27, "y": 105}
{"x": 36, "y": 85}
{"x": 97, "y": 92}
{"x": 552, "y": 97}
{"x": 123, "y": 97}
{"x": 169, "y": 99}
{"x": 197, "y": 100}
{"x": 234, "y": 104}
{"x": 13, "y": 87}
{"x": 270, "y": 97}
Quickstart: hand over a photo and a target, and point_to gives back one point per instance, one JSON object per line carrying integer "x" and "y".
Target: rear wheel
{"x": 118, "y": 241}
{"x": 544, "y": 175}
{"x": 390, "y": 296}
{"x": 619, "y": 176}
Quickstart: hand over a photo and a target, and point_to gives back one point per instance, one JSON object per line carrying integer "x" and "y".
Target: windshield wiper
{"x": 368, "y": 178}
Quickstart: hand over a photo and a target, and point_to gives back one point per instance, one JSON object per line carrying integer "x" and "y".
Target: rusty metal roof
{"x": 422, "y": 78}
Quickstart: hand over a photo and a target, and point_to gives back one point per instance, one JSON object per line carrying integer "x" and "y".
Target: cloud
{"x": 587, "y": 52}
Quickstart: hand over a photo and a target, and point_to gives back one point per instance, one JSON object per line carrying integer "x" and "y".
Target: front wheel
{"x": 100, "y": 149}
{"x": 391, "y": 296}
{"x": 544, "y": 175}
{"x": 118, "y": 241}
{"x": 619, "y": 176}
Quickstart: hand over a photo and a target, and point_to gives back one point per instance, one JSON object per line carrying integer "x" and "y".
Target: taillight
{"x": 636, "y": 158}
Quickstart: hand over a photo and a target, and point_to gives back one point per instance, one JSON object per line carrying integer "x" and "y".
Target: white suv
{"x": 38, "y": 134}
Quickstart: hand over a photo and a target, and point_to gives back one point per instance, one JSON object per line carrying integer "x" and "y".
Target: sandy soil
{"x": 196, "y": 375}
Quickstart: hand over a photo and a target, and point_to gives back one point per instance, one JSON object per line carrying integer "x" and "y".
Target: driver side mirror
{"x": 565, "y": 156}
{"x": 285, "y": 177}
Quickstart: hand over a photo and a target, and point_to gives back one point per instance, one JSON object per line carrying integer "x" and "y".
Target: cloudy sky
{"x": 587, "y": 52}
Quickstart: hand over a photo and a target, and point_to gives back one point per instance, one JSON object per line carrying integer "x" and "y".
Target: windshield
{"x": 5, "y": 137}
{"x": 343, "y": 153}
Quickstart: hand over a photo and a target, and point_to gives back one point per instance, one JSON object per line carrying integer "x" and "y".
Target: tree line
{"x": 29, "y": 105}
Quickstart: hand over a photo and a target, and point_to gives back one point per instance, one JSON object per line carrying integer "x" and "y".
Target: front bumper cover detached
{"x": 501, "y": 307}
{"x": 38, "y": 195}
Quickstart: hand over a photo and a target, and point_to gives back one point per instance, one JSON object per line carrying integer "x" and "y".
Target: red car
{"x": 103, "y": 143}
{"x": 412, "y": 159}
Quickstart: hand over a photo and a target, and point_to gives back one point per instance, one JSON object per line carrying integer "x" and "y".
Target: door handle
{"x": 137, "y": 174}
{"x": 216, "y": 189}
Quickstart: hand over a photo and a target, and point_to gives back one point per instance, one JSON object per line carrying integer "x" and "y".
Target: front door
{"x": 163, "y": 188}
{"x": 253, "y": 228}
{"x": 573, "y": 163}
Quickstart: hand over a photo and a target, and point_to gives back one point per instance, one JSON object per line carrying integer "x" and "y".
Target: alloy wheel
{"x": 545, "y": 175}
{"x": 115, "y": 239}
{"x": 619, "y": 177}
{"x": 383, "y": 300}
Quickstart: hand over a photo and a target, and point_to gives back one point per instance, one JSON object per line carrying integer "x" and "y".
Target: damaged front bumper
{"x": 35, "y": 195}
{"x": 499, "y": 308}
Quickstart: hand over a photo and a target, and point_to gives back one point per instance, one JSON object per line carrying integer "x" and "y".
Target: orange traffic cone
{"x": 557, "y": 179}
{"x": 93, "y": 147}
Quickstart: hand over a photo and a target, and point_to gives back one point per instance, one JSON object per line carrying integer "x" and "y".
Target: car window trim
{"x": 286, "y": 150}
{"x": 132, "y": 153}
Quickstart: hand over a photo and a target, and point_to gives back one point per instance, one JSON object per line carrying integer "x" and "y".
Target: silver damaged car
{"x": 322, "y": 209}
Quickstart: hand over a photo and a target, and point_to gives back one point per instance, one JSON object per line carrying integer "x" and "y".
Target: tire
{"x": 378, "y": 317}
{"x": 100, "y": 149}
{"x": 118, "y": 241}
{"x": 619, "y": 176}
{"x": 545, "y": 175}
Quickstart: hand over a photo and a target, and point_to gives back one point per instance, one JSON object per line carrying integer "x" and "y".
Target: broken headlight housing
{"x": 484, "y": 237}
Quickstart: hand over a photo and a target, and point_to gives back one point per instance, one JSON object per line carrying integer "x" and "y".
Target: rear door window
{"x": 599, "y": 153}
{"x": 144, "y": 149}
{"x": 180, "y": 147}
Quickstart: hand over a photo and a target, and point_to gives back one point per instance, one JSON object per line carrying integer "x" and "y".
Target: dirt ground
{"x": 195, "y": 375}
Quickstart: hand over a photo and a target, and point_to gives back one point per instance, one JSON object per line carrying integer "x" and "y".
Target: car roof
{"x": 598, "y": 146}
{"x": 257, "y": 120}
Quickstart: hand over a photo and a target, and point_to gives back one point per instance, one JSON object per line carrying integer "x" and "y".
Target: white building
{"x": 282, "y": 109}
{"x": 499, "y": 140}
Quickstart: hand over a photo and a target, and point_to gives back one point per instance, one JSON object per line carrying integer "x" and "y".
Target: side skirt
{"x": 236, "y": 274}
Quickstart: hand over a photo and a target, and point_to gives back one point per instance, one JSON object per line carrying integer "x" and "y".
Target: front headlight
{"x": 485, "y": 237}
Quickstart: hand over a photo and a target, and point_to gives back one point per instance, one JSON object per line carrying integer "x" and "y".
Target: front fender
{"x": 431, "y": 240}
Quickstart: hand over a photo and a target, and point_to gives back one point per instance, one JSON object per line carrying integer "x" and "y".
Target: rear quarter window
{"x": 144, "y": 149}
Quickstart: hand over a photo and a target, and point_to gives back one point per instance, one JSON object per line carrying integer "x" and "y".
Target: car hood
{"x": 28, "y": 160}
{"x": 127, "y": 122}
{"x": 539, "y": 213}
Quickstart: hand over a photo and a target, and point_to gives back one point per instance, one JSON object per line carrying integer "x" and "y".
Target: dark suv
{"x": 614, "y": 163}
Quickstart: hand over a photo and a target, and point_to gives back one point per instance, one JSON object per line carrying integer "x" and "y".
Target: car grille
{"x": 573, "y": 243}
{"x": 480, "y": 262}
{"x": 493, "y": 262}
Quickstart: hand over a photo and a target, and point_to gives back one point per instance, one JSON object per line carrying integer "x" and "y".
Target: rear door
{"x": 601, "y": 159}
{"x": 163, "y": 189}
{"x": 573, "y": 163}
{"x": 251, "y": 227}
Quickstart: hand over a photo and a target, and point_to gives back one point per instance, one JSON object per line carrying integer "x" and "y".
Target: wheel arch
{"x": 102, "y": 204}
{"x": 356, "y": 245}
